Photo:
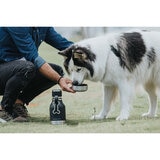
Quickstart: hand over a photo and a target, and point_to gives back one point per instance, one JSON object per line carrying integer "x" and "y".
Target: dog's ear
{"x": 84, "y": 54}
{"x": 81, "y": 56}
{"x": 67, "y": 52}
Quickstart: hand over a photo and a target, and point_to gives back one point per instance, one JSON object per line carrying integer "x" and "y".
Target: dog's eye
{"x": 78, "y": 69}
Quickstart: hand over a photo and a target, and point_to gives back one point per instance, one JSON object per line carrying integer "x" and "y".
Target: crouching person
{"x": 23, "y": 73}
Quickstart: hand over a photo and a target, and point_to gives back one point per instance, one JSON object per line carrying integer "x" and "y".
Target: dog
{"x": 120, "y": 61}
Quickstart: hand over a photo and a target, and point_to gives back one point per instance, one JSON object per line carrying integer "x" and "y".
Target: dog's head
{"x": 78, "y": 62}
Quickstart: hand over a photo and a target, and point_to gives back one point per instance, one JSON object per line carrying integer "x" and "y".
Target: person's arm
{"x": 48, "y": 72}
{"x": 25, "y": 44}
{"x": 56, "y": 40}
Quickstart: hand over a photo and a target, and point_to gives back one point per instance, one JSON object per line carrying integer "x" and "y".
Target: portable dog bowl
{"x": 80, "y": 88}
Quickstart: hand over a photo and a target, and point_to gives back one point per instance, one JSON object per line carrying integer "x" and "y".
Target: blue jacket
{"x": 19, "y": 42}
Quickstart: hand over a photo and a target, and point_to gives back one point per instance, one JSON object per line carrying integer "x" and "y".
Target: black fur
{"x": 83, "y": 50}
{"x": 130, "y": 49}
{"x": 68, "y": 54}
{"x": 151, "y": 56}
{"x": 87, "y": 62}
{"x": 89, "y": 66}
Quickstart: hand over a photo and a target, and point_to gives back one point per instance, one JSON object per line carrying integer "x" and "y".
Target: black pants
{"x": 21, "y": 80}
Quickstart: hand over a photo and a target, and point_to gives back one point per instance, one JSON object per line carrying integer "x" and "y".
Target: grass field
{"x": 79, "y": 108}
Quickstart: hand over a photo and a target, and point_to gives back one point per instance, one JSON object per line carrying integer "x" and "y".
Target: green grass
{"x": 79, "y": 109}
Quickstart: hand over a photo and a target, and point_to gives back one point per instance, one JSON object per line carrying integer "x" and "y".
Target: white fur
{"x": 115, "y": 78}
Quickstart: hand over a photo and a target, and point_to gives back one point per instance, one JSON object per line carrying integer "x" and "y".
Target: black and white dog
{"x": 121, "y": 61}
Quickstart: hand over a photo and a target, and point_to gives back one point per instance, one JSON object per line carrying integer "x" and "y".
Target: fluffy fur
{"x": 121, "y": 61}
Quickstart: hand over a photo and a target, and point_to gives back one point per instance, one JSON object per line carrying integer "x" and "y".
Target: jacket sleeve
{"x": 25, "y": 44}
{"x": 56, "y": 40}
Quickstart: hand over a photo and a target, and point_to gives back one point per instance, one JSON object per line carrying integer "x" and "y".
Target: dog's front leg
{"x": 109, "y": 94}
{"x": 127, "y": 91}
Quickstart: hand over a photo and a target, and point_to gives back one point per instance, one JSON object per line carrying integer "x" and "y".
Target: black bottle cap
{"x": 56, "y": 92}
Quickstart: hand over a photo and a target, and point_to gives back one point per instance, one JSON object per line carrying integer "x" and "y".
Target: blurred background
{"x": 78, "y": 33}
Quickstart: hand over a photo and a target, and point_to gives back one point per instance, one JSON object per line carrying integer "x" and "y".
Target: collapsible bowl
{"x": 80, "y": 88}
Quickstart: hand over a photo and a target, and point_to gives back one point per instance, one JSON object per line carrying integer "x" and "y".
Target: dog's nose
{"x": 75, "y": 83}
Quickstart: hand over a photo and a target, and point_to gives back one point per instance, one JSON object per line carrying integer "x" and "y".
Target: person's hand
{"x": 66, "y": 84}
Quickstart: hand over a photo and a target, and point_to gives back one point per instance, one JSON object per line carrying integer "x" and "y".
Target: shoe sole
{"x": 20, "y": 119}
{"x": 2, "y": 120}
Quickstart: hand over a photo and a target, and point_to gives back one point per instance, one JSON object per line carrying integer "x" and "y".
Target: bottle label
{"x": 56, "y": 109}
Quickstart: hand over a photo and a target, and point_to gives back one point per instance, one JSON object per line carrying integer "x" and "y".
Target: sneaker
{"x": 5, "y": 116}
{"x": 20, "y": 113}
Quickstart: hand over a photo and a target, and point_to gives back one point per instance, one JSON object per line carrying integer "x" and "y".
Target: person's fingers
{"x": 68, "y": 89}
{"x": 66, "y": 85}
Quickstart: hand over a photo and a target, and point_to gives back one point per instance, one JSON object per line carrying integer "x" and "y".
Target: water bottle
{"x": 57, "y": 108}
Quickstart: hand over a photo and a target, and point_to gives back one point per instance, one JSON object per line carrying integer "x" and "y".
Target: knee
{"x": 58, "y": 69}
{"x": 28, "y": 70}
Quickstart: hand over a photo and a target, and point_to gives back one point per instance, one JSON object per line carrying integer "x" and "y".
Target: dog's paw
{"x": 97, "y": 117}
{"x": 148, "y": 115}
{"x": 122, "y": 118}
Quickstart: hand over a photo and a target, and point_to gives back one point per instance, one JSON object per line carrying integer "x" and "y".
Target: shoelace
{"x": 6, "y": 116}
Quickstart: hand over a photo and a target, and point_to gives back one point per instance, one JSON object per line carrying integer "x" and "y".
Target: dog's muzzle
{"x": 75, "y": 83}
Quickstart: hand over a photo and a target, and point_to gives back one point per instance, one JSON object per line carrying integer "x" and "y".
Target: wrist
{"x": 58, "y": 81}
